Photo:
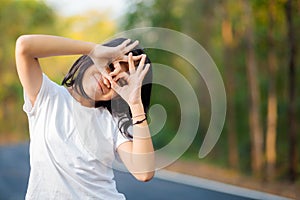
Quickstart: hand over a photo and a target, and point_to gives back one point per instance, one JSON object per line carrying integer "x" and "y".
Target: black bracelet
{"x": 139, "y": 122}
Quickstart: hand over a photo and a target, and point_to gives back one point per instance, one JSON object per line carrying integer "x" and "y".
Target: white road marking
{"x": 215, "y": 186}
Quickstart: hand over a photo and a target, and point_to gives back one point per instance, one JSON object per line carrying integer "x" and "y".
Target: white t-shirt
{"x": 72, "y": 147}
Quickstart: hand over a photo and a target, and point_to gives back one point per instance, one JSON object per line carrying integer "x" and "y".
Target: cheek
{"x": 108, "y": 96}
{"x": 89, "y": 87}
{"x": 113, "y": 94}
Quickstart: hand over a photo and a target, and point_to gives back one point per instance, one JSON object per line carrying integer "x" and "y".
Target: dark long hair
{"x": 116, "y": 106}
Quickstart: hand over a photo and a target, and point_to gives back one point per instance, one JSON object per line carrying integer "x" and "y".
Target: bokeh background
{"x": 254, "y": 43}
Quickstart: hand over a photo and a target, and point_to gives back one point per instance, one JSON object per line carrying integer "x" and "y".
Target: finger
{"x": 142, "y": 63}
{"x": 123, "y": 47}
{"x": 125, "y": 43}
{"x": 115, "y": 86}
{"x": 123, "y": 75}
{"x": 106, "y": 79}
{"x": 131, "y": 64}
{"x": 138, "y": 57}
{"x": 106, "y": 82}
{"x": 116, "y": 70}
{"x": 125, "y": 58}
{"x": 131, "y": 46}
{"x": 144, "y": 72}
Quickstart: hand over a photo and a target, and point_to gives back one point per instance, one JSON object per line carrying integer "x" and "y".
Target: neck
{"x": 82, "y": 100}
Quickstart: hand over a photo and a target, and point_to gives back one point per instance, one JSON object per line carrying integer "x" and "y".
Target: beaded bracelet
{"x": 138, "y": 115}
{"x": 139, "y": 122}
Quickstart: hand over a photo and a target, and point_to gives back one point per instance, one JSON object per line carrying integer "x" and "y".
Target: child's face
{"x": 96, "y": 86}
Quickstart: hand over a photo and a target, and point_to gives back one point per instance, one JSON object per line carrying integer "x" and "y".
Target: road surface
{"x": 14, "y": 171}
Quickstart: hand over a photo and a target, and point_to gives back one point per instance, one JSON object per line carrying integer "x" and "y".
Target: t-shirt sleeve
{"x": 121, "y": 138}
{"x": 42, "y": 95}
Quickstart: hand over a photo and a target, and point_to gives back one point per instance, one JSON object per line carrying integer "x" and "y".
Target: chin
{"x": 106, "y": 97}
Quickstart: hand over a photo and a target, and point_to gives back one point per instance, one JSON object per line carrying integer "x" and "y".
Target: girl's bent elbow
{"x": 22, "y": 44}
{"x": 145, "y": 177}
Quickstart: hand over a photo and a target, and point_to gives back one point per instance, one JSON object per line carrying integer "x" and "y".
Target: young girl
{"x": 77, "y": 130}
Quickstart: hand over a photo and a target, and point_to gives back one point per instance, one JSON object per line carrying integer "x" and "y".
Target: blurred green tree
{"x": 17, "y": 17}
{"x": 29, "y": 17}
{"x": 291, "y": 10}
{"x": 240, "y": 36}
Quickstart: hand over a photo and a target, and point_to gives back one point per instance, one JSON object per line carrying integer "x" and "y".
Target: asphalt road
{"x": 14, "y": 171}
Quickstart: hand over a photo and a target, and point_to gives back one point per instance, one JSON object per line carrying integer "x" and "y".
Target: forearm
{"x": 142, "y": 147}
{"x": 141, "y": 134}
{"x": 39, "y": 46}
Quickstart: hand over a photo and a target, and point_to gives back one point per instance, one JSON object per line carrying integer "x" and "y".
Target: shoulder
{"x": 49, "y": 90}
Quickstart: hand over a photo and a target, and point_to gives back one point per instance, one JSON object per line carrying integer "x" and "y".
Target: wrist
{"x": 91, "y": 52}
{"x": 137, "y": 109}
{"x": 96, "y": 54}
{"x": 90, "y": 48}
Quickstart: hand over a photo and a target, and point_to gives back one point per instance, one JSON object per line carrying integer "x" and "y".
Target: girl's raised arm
{"x": 29, "y": 48}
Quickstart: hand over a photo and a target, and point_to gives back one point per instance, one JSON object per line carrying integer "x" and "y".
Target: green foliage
{"x": 29, "y": 17}
{"x": 202, "y": 20}
{"x": 17, "y": 17}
